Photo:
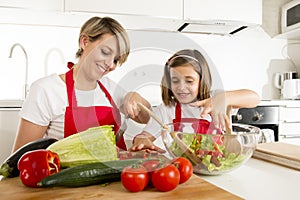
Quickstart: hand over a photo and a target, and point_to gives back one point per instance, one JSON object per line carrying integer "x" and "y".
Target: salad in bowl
{"x": 211, "y": 151}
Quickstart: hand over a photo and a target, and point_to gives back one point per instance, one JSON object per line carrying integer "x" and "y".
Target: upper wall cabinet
{"x": 163, "y": 15}
{"x": 49, "y": 5}
{"x": 155, "y": 8}
{"x": 249, "y": 11}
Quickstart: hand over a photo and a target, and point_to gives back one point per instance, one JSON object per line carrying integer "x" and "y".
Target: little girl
{"x": 186, "y": 95}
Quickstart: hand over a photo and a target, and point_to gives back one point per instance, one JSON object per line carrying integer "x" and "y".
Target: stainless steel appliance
{"x": 263, "y": 117}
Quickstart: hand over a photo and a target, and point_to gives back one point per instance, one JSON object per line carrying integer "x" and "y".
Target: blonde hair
{"x": 95, "y": 27}
{"x": 182, "y": 58}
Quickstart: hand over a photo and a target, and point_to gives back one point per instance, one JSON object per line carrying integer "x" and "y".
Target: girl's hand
{"x": 216, "y": 107}
{"x": 144, "y": 141}
{"x": 131, "y": 109}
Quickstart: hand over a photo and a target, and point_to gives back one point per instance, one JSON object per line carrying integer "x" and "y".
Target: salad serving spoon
{"x": 231, "y": 142}
{"x": 184, "y": 148}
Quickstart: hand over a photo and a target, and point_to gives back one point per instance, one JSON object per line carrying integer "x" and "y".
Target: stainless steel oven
{"x": 264, "y": 117}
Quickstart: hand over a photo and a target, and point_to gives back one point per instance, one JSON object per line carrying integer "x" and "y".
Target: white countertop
{"x": 278, "y": 102}
{"x": 258, "y": 179}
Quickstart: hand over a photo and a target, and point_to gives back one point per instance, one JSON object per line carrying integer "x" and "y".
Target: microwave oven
{"x": 290, "y": 16}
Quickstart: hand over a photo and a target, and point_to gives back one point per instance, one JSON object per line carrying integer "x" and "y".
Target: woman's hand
{"x": 143, "y": 141}
{"x": 131, "y": 109}
{"x": 215, "y": 106}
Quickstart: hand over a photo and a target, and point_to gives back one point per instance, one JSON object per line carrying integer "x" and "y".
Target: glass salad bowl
{"x": 212, "y": 152}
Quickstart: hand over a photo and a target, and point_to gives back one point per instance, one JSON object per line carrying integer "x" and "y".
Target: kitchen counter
{"x": 253, "y": 181}
{"x": 260, "y": 180}
{"x": 194, "y": 188}
{"x": 279, "y": 102}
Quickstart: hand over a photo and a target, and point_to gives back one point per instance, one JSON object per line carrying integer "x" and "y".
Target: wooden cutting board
{"x": 194, "y": 188}
{"x": 284, "y": 154}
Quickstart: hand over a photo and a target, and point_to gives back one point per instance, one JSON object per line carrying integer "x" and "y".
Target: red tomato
{"x": 151, "y": 165}
{"x": 185, "y": 168}
{"x": 166, "y": 178}
{"x": 134, "y": 178}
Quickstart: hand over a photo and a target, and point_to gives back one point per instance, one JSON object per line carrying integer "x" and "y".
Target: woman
{"x": 61, "y": 105}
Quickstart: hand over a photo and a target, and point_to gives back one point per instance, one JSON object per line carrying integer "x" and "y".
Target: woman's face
{"x": 100, "y": 57}
{"x": 184, "y": 83}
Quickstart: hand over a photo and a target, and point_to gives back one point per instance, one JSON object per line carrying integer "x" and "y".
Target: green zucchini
{"x": 9, "y": 167}
{"x": 89, "y": 174}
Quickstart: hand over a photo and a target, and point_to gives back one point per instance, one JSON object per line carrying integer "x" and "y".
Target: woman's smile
{"x": 101, "y": 68}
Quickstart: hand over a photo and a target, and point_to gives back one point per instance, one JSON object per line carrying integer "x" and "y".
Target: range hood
{"x": 216, "y": 27}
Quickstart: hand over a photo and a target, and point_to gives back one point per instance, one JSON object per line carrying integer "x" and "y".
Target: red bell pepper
{"x": 36, "y": 165}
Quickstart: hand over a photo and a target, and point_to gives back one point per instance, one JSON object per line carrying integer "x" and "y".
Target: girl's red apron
{"x": 78, "y": 118}
{"x": 199, "y": 125}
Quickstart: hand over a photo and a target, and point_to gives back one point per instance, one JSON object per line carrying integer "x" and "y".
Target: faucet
{"x": 26, "y": 69}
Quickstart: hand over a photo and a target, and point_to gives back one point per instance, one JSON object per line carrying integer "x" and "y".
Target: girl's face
{"x": 184, "y": 83}
{"x": 100, "y": 57}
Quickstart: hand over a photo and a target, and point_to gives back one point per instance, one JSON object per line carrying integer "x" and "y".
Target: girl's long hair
{"x": 181, "y": 58}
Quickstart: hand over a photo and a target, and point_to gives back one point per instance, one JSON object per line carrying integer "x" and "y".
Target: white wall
{"x": 40, "y": 43}
{"x": 247, "y": 60}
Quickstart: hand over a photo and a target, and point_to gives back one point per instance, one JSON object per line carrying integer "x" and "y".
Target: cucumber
{"x": 9, "y": 167}
{"x": 89, "y": 174}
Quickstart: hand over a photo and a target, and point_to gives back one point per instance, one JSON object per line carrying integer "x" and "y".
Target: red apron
{"x": 78, "y": 119}
{"x": 199, "y": 125}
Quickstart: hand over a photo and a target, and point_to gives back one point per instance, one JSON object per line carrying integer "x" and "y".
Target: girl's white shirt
{"x": 47, "y": 100}
{"x": 167, "y": 114}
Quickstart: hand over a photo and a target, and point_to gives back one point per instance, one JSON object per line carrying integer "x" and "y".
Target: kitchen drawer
{"x": 289, "y": 114}
{"x": 9, "y": 120}
{"x": 290, "y": 140}
{"x": 289, "y": 129}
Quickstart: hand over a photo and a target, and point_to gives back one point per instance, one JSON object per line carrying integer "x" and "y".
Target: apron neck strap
{"x": 178, "y": 111}
{"x": 71, "y": 91}
{"x": 70, "y": 88}
{"x": 107, "y": 95}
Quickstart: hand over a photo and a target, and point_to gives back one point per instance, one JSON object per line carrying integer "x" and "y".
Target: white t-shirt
{"x": 47, "y": 100}
{"x": 167, "y": 114}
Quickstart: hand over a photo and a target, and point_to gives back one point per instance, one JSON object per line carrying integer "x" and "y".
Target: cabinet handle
{"x": 289, "y": 136}
{"x": 290, "y": 121}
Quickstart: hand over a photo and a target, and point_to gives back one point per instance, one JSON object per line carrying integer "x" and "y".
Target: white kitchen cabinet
{"x": 289, "y": 114}
{"x": 289, "y": 124}
{"x": 50, "y": 5}
{"x": 290, "y": 35}
{"x": 9, "y": 120}
{"x": 234, "y": 10}
{"x": 155, "y": 8}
